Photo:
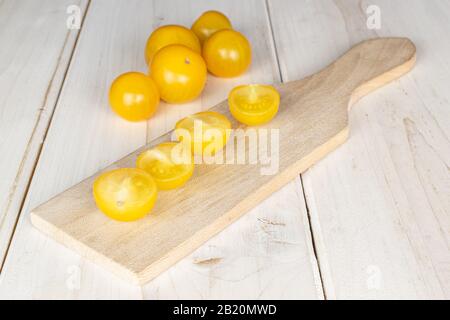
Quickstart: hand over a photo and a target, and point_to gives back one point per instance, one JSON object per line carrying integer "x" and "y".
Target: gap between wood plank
{"x": 316, "y": 256}
{"x": 313, "y": 241}
{"x": 32, "y": 137}
{"x": 269, "y": 20}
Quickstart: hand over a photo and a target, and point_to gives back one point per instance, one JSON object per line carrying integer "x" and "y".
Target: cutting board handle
{"x": 362, "y": 69}
{"x": 374, "y": 63}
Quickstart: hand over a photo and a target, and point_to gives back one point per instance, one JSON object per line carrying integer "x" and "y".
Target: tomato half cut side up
{"x": 207, "y": 132}
{"x": 254, "y": 104}
{"x": 125, "y": 194}
{"x": 168, "y": 163}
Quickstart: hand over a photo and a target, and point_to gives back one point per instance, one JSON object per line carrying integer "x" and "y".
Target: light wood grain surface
{"x": 378, "y": 207}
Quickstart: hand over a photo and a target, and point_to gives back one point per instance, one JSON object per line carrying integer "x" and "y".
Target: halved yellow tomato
{"x": 207, "y": 132}
{"x": 254, "y": 104}
{"x": 210, "y": 22}
{"x": 125, "y": 194}
{"x": 168, "y": 164}
{"x": 227, "y": 53}
{"x": 170, "y": 34}
{"x": 134, "y": 96}
{"x": 179, "y": 73}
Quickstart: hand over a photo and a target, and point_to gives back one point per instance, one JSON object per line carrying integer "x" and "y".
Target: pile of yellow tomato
{"x": 179, "y": 59}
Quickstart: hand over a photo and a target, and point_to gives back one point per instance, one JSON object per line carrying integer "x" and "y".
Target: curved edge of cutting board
{"x": 387, "y": 77}
{"x": 367, "y": 75}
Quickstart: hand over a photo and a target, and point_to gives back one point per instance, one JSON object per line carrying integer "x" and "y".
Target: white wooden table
{"x": 372, "y": 220}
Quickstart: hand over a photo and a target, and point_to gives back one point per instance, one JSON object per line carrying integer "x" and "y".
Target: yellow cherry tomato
{"x": 125, "y": 194}
{"x": 227, "y": 53}
{"x": 210, "y": 22}
{"x": 254, "y": 104}
{"x": 167, "y": 35}
{"x": 179, "y": 73}
{"x": 134, "y": 96}
{"x": 168, "y": 164}
{"x": 207, "y": 132}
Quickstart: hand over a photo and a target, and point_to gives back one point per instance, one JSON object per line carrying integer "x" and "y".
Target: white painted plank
{"x": 35, "y": 51}
{"x": 380, "y": 203}
{"x": 257, "y": 259}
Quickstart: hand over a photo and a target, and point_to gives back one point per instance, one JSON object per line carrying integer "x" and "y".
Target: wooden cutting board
{"x": 312, "y": 121}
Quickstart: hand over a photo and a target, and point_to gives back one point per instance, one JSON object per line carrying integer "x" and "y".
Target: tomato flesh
{"x": 125, "y": 194}
{"x": 254, "y": 104}
{"x": 207, "y": 132}
{"x": 169, "y": 168}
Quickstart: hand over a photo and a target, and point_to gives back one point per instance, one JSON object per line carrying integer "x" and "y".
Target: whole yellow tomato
{"x": 134, "y": 96}
{"x": 210, "y": 22}
{"x": 167, "y": 35}
{"x": 227, "y": 53}
{"x": 125, "y": 194}
{"x": 179, "y": 73}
